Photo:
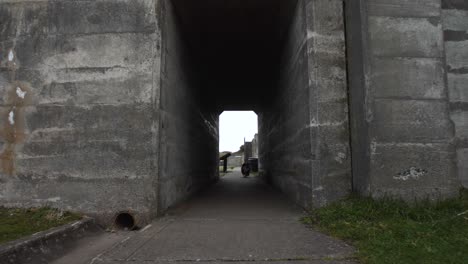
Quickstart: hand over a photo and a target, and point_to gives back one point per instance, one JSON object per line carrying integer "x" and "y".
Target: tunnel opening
{"x": 238, "y": 141}
{"x": 285, "y": 60}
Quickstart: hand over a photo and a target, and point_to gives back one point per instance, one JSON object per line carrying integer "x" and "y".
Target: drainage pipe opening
{"x": 124, "y": 221}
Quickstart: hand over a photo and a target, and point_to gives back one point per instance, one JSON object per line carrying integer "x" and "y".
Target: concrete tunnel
{"x": 120, "y": 100}
{"x": 254, "y": 55}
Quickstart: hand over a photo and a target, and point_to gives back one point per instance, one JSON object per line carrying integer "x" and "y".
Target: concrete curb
{"x": 44, "y": 246}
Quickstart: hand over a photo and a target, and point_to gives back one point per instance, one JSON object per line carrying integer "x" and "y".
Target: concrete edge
{"x": 46, "y": 245}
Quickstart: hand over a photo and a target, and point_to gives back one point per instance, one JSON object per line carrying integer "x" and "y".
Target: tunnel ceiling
{"x": 235, "y": 49}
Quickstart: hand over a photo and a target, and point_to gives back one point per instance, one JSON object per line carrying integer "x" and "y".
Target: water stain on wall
{"x": 12, "y": 131}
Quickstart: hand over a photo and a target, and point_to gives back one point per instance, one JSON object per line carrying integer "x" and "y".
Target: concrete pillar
{"x": 328, "y": 101}
{"x": 79, "y": 99}
{"x": 407, "y": 107}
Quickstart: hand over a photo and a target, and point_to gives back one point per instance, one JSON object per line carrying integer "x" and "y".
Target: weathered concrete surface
{"x": 304, "y": 141}
{"x": 285, "y": 145}
{"x": 188, "y": 146}
{"x": 357, "y": 72}
{"x": 411, "y": 147}
{"x": 455, "y": 25}
{"x": 110, "y": 106}
{"x": 236, "y": 159}
{"x": 79, "y": 87}
{"x": 255, "y": 146}
{"x": 328, "y": 101}
{"x": 237, "y": 220}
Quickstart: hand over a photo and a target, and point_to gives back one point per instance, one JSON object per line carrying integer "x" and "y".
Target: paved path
{"x": 238, "y": 220}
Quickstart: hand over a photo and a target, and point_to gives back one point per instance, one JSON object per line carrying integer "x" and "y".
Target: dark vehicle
{"x": 245, "y": 169}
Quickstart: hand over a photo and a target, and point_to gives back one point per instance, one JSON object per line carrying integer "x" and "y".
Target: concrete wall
{"x": 79, "y": 85}
{"x": 328, "y": 101}
{"x": 407, "y": 110}
{"x": 110, "y": 120}
{"x": 284, "y": 148}
{"x": 255, "y": 146}
{"x": 100, "y": 111}
{"x": 248, "y": 150}
{"x": 236, "y": 160}
{"x": 189, "y": 135}
{"x": 357, "y": 73}
{"x": 402, "y": 134}
{"x": 455, "y": 25}
{"x": 304, "y": 141}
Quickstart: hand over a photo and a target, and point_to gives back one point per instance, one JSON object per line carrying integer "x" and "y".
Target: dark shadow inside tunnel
{"x": 234, "y": 48}
{"x": 251, "y": 55}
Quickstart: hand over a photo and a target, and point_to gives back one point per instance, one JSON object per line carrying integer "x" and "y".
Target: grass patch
{"x": 389, "y": 231}
{"x": 16, "y": 223}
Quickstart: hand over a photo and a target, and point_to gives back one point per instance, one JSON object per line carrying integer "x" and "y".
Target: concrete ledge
{"x": 44, "y": 246}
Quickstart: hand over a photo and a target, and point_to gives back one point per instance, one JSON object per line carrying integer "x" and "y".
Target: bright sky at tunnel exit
{"x": 234, "y": 126}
